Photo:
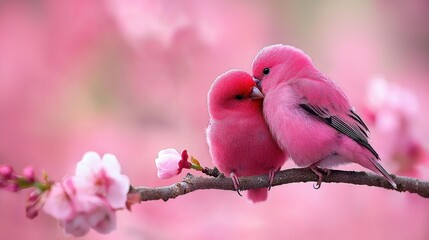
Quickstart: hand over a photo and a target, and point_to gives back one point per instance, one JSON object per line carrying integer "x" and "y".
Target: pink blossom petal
{"x": 58, "y": 202}
{"x": 97, "y": 212}
{"x": 102, "y": 220}
{"x": 169, "y": 152}
{"x": 90, "y": 163}
{"x": 167, "y": 163}
{"x": 116, "y": 195}
{"x": 103, "y": 180}
{"x": 85, "y": 203}
{"x": 76, "y": 226}
{"x": 87, "y": 171}
{"x": 167, "y": 169}
{"x": 111, "y": 164}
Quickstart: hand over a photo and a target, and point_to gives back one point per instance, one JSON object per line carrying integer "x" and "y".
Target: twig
{"x": 191, "y": 183}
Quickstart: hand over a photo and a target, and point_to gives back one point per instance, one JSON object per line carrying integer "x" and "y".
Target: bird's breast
{"x": 305, "y": 138}
{"x": 244, "y": 146}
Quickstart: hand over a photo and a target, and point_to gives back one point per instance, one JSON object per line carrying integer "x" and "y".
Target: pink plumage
{"x": 239, "y": 139}
{"x": 308, "y": 114}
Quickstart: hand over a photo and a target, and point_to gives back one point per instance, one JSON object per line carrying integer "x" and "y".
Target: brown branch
{"x": 191, "y": 183}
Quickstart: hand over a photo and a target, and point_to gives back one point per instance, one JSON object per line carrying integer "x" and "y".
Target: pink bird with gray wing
{"x": 308, "y": 114}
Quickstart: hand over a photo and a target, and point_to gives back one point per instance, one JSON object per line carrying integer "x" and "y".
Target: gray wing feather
{"x": 354, "y": 131}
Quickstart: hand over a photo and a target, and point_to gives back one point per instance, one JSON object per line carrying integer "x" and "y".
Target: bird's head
{"x": 234, "y": 92}
{"x": 277, "y": 64}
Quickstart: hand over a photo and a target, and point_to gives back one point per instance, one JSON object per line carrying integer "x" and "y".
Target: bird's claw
{"x": 317, "y": 185}
{"x": 319, "y": 175}
{"x": 236, "y": 183}
{"x": 271, "y": 176}
{"x": 239, "y": 193}
{"x": 326, "y": 171}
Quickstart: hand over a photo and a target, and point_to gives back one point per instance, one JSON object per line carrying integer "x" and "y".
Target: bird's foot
{"x": 236, "y": 183}
{"x": 271, "y": 176}
{"x": 326, "y": 171}
{"x": 316, "y": 171}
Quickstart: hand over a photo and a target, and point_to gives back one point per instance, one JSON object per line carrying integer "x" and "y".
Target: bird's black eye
{"x": 266, "y": 71}
{"x": 239, "y": 97}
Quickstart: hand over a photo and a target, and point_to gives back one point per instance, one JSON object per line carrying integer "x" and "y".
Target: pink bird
{"x": 240, "y": 141}
{"x": 308, "y": 114}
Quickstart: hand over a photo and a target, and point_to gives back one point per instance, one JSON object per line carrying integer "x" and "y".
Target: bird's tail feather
{"x": 383, "y": 172}
{"x": 257, "y": 195}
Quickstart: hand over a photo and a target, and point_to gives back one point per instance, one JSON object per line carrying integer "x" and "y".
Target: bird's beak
{"x": 258, "y": 82}
{"x": 256, "y": 93}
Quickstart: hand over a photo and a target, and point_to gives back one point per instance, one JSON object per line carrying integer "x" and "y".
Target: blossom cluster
{"x": 89, "y": 198}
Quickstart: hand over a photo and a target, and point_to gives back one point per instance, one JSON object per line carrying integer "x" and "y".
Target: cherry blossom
{"x": 59, "y": 202}
{"x": 89, "y": 198}
{"x": 170, "y": 163}
{"x": 102, "y": 177}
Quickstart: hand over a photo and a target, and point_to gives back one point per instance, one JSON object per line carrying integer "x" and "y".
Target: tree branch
{"x": 191, "y": 183}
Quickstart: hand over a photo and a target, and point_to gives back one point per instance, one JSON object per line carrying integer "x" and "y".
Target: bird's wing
{"x": 324, "y": 100}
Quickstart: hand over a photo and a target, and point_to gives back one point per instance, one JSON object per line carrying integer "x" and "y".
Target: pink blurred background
{"x": 130, "y": 77}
